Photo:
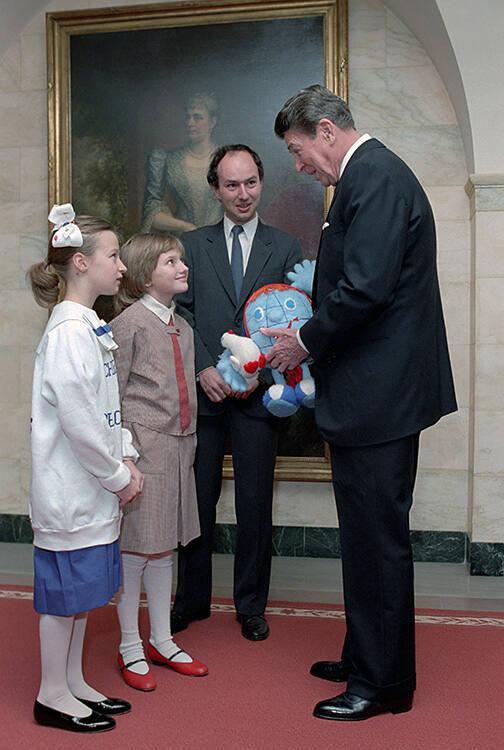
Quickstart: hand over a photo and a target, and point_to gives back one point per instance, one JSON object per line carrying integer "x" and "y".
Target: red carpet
{"x": 259, "y": 696}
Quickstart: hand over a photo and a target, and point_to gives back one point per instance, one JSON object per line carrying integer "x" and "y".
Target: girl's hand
{"x": 134, "y": 488}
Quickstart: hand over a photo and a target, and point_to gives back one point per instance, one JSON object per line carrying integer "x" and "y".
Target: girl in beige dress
{"x": 157, "y": 385}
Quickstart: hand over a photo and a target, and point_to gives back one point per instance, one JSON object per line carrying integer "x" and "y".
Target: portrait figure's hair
{"x": 220, "y": 153}
{"x": 206, "y": 100}
{"x": 304, "y": 110}
{"x": 140, "y": 255}
{"x": 46, "y": 276}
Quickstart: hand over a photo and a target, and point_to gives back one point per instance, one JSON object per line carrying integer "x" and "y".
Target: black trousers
{"x": 373, "y": 486}
{"x": 254, "y": 447}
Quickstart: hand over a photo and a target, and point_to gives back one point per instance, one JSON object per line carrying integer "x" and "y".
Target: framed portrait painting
{"x": 140, "y": 96}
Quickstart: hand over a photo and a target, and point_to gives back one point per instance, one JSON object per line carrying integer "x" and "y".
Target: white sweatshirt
{"x": 77, "y": 439}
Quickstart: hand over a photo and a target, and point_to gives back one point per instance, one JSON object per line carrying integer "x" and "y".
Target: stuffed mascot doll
{"x": 272, "y": 306}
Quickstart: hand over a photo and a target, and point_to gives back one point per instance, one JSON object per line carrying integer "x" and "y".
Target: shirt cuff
{"x": 300, "y": 341}
{"x": 203, "y": 370}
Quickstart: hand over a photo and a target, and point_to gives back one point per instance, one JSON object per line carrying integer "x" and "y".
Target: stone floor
{"x": 302, "y": 579}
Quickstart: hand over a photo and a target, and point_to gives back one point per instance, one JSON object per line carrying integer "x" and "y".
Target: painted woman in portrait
{"x": 177, "y": 195}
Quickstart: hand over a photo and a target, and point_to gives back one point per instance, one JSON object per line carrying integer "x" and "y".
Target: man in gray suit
{"x": 227, "y": 262}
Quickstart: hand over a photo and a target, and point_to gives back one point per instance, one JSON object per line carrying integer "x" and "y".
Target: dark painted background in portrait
{"x": 127, "y": 94}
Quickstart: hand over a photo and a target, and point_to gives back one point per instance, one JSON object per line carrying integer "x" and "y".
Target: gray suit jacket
{"x": 210, "y": 304}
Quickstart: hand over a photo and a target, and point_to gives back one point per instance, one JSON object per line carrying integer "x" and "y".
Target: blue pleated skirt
{"x": 68, "y": 583}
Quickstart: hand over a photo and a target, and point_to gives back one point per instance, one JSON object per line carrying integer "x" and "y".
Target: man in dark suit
{"x": 382, "y": 374}
{"x": 227, "y": 262}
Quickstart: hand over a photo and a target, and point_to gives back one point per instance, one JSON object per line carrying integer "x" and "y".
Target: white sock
{"x": 158, "y": 585}
{"x": 128, "y": 600}
{"x": 55, "y": 638}
{"x": 75, "y": 677}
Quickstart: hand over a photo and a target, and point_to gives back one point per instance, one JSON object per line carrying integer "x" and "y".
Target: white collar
{"x": 163, "y": 313}
{"x": 351, "y": 151}
{"x": 249, "y": 227}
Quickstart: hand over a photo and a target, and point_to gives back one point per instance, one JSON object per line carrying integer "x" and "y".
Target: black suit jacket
{"x": 378, "y": 338}
{"x": 210, "y": 304}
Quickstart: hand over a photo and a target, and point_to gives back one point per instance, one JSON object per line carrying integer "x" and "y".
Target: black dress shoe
{"x": 254, "y": 627}
{"x": 350, "y": 707}
{"x": 335, "y": 671}
{"x": 108, "y": 706}
{"x": 50, "y": 717}
{"x": 180, "y": 622}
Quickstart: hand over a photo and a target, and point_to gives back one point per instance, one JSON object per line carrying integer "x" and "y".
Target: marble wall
{"x": 486, "y": 499}
{"x": 396, "y": 95}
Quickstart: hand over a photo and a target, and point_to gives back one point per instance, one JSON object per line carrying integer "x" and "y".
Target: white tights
{"x": 157, "y": 571}
{"x": 62, "y": 682}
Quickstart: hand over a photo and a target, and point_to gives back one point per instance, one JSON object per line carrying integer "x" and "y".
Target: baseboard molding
{"x": 486, "y": 559}
{"x": 305, "y": 541}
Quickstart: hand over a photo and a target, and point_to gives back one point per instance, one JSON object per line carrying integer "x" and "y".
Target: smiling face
{"x": 239, "y": 189}
{"x": 104, "y": 268}
{"x": 318, "y": 155}
{"x": 169, "y": 277}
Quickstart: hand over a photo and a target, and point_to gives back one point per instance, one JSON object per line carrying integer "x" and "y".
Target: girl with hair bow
{"x": 83, "y": 468}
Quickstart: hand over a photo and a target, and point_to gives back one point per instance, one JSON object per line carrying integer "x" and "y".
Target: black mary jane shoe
{"x": 50, "y": 717}
{"x": 253, "y": 627}
{"x": 108, "y": 706}
{"x": 350, "y": 707}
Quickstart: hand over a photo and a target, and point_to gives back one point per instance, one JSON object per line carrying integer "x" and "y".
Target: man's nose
{"x": 242, "y": 191}
{"x": 298, "y": 164}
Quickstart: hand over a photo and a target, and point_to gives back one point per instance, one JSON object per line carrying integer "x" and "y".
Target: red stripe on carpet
{"x": 259, "y": 696}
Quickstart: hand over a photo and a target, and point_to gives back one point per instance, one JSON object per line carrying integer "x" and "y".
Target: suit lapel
{"x": 259, "y": 256}
{"x": 315, "y": 275}
{"x": 369, "y": 145}
{"x": 216, "y": 250}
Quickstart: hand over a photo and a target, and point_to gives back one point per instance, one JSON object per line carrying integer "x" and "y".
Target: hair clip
{"x": 65, "y": 232}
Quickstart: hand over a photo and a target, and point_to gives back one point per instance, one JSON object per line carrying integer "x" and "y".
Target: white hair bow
{"x": 65, "y": 233}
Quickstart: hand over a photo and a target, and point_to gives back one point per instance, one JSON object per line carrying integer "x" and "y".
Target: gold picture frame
{"x": 65, "y": 30}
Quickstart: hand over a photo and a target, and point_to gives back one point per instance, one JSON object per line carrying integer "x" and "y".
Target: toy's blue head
{"x": 275, "y": 306}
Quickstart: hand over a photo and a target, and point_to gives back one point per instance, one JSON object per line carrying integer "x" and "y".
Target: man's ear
{"x": 80, "y": 262}
{"x": 216, "y": 192}
{"x": 327, "y": 129}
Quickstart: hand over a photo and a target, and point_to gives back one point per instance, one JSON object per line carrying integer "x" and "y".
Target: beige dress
{"x": 166, "y": 513}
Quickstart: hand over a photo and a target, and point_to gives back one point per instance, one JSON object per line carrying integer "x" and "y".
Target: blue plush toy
{"x": 273, "y": 306}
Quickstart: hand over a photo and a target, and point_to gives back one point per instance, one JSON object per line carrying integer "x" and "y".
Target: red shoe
{"x": 145, "y": 682}
{"x": 192, "y": 668}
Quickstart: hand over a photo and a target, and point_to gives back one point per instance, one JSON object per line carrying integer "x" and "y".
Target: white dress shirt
{"x": 246, "y": 238}
{"x": 351, "y": 151}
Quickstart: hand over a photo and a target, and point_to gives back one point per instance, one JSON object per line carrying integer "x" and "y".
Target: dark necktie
{"x": 237, "y": 259}
{"x": 185, "y": 413}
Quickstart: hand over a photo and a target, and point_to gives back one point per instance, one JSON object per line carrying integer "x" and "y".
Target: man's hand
{"x": 133, "y": 488}
{"x": 286, "y": 353}
{"x": 245, "y": 394}
{"x": 213, "y": 384}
